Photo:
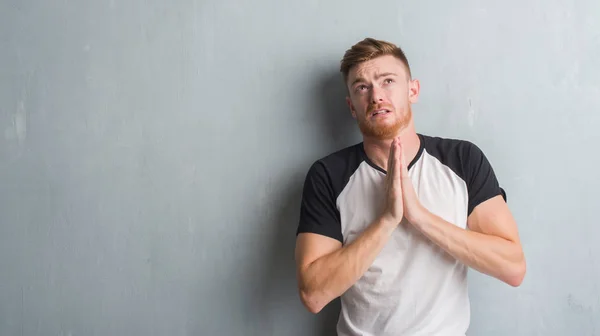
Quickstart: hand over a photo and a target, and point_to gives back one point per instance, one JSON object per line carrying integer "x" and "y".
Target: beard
{"x": 384, "y": 131}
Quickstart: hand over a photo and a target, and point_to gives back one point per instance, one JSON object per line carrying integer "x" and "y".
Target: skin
{"x": 490, "y": 244}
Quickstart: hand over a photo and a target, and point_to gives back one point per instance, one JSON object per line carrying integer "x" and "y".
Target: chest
{"x": 439, "y": 189}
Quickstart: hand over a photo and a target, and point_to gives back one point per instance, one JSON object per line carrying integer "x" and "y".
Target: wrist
{"x": 419, "y": 216}
{"x": 388, "y": 221}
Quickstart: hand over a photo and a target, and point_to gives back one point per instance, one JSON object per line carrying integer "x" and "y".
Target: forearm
{"x": 331, "y": 275}
{"x": 488, "y": 254}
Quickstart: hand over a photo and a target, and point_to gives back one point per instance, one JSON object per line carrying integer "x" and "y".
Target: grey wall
{"x": 152, "y": 154}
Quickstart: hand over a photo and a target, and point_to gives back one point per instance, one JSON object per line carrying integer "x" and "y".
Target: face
{"x": 380, "y": 96}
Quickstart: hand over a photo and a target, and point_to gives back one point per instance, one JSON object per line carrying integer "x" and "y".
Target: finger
{"x": 401, "y": 150}
{"x": 398, "y": 158}
{"x": 388, "y": 173}
{"x": 395, "y": 163}
{"x": 390, "y": 167}
{"x": 403, "y": 164}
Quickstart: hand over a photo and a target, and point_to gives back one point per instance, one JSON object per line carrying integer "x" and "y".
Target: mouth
{"x": 379, "y": 112}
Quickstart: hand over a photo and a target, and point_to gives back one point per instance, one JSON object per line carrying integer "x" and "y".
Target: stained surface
{"x": 152, "y": 155}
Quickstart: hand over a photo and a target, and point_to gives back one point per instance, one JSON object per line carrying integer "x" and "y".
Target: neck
{"x": 378, "y": 150}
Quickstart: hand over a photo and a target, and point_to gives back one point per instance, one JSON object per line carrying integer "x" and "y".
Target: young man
{"x": 392, "y": 224}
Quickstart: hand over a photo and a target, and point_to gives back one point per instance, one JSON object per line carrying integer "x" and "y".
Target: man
{"x": 393, "y": 223}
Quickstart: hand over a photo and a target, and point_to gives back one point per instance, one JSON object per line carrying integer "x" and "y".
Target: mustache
{"x": 374, "y": 107}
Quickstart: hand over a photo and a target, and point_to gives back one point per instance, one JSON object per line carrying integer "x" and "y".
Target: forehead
{"x": 371, "y": 69}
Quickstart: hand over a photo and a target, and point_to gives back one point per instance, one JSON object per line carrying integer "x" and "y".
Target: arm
{"x": 326, "y": 270}
{"x": 491, "y": 246}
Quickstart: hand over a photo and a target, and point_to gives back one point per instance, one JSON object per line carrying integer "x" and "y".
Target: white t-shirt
{"x": 413, "y": 287}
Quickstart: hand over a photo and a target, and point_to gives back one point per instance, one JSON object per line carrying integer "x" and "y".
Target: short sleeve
{"x": 318, "y": 210}
{"x": 482, "y": 183}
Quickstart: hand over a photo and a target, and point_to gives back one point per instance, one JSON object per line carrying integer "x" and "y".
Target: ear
{"x": 414, "y": 87}
{"x": 352, "y": 110}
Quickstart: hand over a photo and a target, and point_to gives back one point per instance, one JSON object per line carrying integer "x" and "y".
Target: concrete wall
{"x": 152, "y": 154}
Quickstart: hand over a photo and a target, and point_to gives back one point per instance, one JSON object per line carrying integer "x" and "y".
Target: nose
{"x": 376, "y": 95}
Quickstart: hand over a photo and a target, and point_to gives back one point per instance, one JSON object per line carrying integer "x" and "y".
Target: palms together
{"x": 402, "y": 200}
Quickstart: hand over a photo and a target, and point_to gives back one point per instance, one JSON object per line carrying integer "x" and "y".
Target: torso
{"x": 413, "y": 287}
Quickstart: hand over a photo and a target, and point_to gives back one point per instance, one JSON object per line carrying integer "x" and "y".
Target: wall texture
{"x": 152, "y": 154}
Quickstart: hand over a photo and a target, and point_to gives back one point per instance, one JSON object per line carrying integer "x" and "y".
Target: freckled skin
{"x": 383, "y": 82}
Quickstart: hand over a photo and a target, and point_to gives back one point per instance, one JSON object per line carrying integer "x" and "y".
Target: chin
{"x": 382, "y": 132}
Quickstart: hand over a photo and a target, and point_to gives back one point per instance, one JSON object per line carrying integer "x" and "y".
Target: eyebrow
{"x": 385, "y": 74}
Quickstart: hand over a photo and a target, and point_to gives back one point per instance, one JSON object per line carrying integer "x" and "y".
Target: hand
{"x": 394, "y": 208}
{"x": 413, "y": 210}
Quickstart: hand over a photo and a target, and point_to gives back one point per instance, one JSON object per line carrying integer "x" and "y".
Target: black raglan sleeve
{"x": 481, "y": 179}
{"x": 318, "y": 210}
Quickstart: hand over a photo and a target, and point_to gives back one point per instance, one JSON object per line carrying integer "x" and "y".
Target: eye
{"x": 388, "y": 81}
{"x": 361, "y": 87}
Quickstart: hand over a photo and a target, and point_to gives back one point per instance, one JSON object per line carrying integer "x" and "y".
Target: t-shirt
{"x": 413, "y": 287}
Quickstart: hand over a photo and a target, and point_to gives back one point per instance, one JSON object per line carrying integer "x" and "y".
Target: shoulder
{"x": 329, "y": 175}
{"x": 464, "y": 157}
{"x": 338, "y": 164}
{"x": 446, "y": 148}
{"x": 325, "y": 180}
{"x": 469, "y": 162}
